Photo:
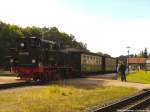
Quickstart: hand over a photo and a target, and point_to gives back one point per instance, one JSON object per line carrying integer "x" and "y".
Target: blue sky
{"x": 91, "y": 7}
{"x": 130, "y": 9}
{"x": 107, "y": 26}
{"x": 116, "y": 9}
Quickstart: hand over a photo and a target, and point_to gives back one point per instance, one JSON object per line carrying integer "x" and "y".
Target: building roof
{"x": 136, "y": 60}
{"x": 74, "y": 50}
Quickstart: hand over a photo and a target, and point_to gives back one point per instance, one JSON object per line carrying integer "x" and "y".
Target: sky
{"x": 107, "y": 26}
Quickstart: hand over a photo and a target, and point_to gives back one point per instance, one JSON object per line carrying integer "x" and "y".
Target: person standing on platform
{"x": 122, "y": 70}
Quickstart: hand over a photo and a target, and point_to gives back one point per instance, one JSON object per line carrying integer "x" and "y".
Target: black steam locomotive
{"x": 38, "y": 59}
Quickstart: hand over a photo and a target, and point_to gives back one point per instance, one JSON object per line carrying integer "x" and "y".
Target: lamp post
{"x": 128, "y": 51}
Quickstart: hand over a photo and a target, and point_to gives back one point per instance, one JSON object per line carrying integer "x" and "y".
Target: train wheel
{"x": 75, "y": 73}
{"x": 57, "y": 76}
{"x": 35, "y": 78}
{"x": 50, "y": 78}
{"x": 67, "y": 74}
{"x": 43, "y": 78}
{"x": 46, "y": 77}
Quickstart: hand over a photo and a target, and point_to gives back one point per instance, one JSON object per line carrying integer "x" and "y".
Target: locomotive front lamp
{"x": 22, "y": 44}
{"x": 33, "y": 60}
{"x": 11, "y": 60}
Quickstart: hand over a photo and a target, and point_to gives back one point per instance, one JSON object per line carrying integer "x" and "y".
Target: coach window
{"x": 95, "y": 61}
{"x": 84, "y": 61}
{"x": 84, "y": 56}
{"x": 91, "y": 57}
{"x": 87, "y": 57}
{"x": 98, "y": 60}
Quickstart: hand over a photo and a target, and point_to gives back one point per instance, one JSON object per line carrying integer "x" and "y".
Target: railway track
{"x": 19, "y": 84}
{"x": 136, "y": 103}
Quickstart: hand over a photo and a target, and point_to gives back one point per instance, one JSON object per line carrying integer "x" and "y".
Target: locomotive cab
{"x": 27, "y": 56}
{"x": 29, "y": 50}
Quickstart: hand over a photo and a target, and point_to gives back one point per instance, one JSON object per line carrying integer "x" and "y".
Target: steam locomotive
{"x": 37, "y": 59}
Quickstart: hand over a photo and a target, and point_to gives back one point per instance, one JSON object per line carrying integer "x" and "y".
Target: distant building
{"x": 147, "y": 65}
{"x": 137, "y": 63}
{"x": 136, "y": 60}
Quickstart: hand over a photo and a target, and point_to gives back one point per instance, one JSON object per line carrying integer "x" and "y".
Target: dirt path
{"x": 94, "y": 82}
{"x": 108, "y": 82}
{"x": 89, "y": 82}
{"x": 6, "y": 79}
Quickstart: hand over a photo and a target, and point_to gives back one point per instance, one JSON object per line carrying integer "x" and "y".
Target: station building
{"x": 139, "y": 63}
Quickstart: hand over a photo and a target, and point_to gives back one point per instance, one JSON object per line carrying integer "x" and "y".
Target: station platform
{"x": 8, "y": 79}
{"x": 105, "y": 76}
{"x": 108, "y": 82}
{"x": 100, "y": 80}
{"x": 89, "y": 82}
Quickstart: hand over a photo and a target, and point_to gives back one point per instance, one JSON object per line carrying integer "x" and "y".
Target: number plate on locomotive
{"x": 23, "y": 53}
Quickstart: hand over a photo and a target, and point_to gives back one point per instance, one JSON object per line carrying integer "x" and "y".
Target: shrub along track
{"x": 137, "y": 102}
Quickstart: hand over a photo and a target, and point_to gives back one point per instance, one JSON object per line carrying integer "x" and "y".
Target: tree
{"x": 100, "y": 53}
{"x": 131, "y": 55}
{"x": 123, "y": 58}
{"x": 9, "y": 34}
{"x": 32, "y": 32}
{"x": 145, "y": 54}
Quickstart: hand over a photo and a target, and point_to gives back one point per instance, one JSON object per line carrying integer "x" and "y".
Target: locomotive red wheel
{"x": 57, "y": 75}
{"x": 35, "y": 78}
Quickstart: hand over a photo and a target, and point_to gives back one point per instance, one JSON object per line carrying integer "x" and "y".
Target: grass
{"x": 57, "y": 98}
{"x": 139, "y": 76}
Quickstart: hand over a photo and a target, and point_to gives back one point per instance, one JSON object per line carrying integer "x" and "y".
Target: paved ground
{"x": 7, "y": 79}
{"x": 105, "y": 76}
{"x": 89, "y": 82}
{"x": 101, "y": 80}
{"x": 124, "y": 84}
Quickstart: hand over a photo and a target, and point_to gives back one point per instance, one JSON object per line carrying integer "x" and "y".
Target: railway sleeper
{"x": 121, "y": 104}
{"x": 140, "y": 105}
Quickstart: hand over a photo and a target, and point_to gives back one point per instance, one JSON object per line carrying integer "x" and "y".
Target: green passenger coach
{"x": 110, "y": 64}
{"x": 91, "y": 63}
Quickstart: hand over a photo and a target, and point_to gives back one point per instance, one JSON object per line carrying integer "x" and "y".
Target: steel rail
{"x": 124, "y": 104}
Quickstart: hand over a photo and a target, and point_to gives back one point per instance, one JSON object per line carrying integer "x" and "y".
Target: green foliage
{"x": 139, "y": 76}
{"x": 145, "y": 53}
{"x": 142, "y": 54}
{"x": 58, "y": 98}
{"x": 31, "y": 32}
{"x": 9, "y": 33}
